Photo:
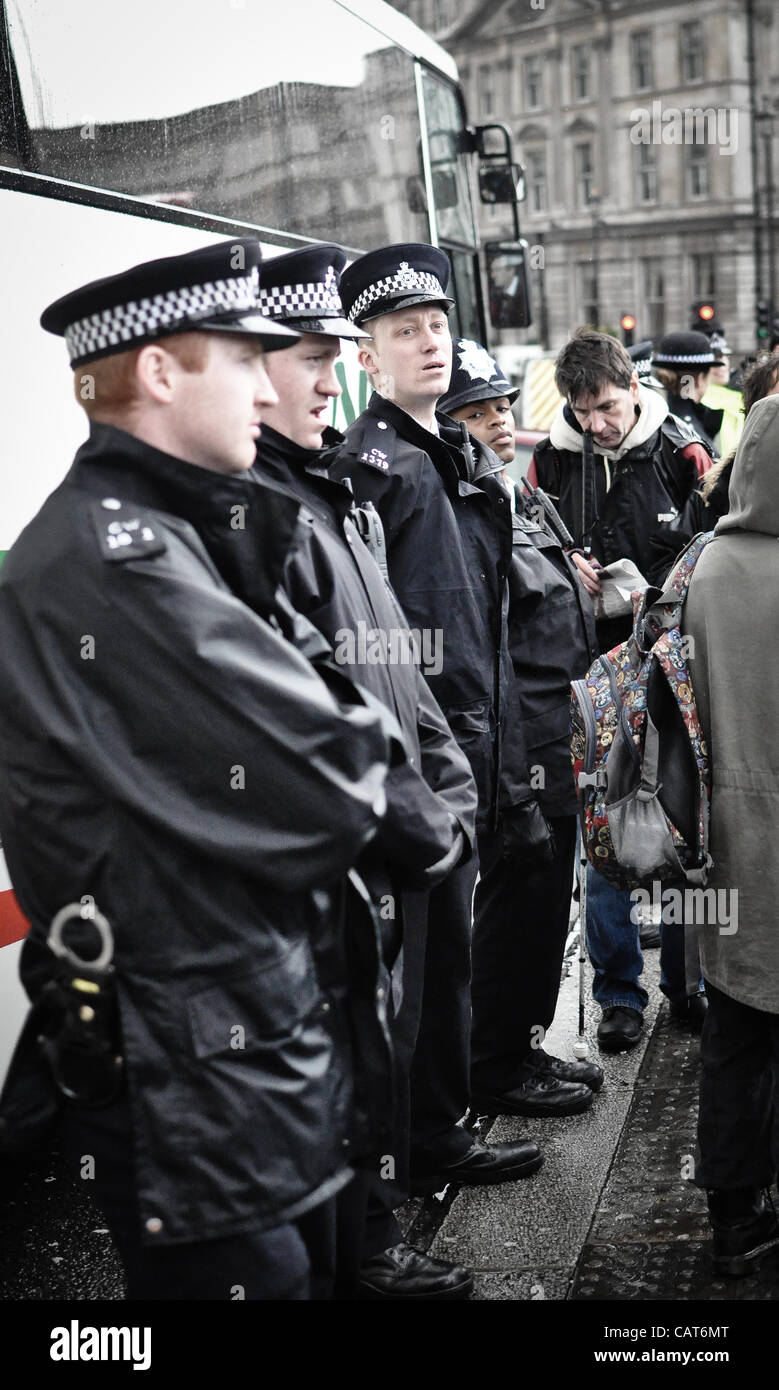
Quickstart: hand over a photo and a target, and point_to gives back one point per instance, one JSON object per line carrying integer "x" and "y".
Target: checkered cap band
{"x": 144, "y": 318}
{"x": 315, "y": 299}
{"x": 683, "y": 358}
{"x": 404, "y": 279}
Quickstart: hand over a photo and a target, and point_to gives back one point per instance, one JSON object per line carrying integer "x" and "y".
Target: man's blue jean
{"x": 615, "y": 950}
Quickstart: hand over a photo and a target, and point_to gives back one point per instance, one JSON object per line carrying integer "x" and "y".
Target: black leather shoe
{"x": 744, "y": 1227}
{"x": 691, "y": 1011}
{"x": 620, "y": 1028}
{"x": 483, "y": 1163}
{"x": 541, "y": 1095}
{"x": 578, "y": 1073}
{"x": 403, "y": 1272}
{"x": 649, "y": 936}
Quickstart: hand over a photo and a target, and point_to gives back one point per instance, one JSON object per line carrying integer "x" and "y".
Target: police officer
{"x": 522, "y": 906}
{"x": 173, "y": 763}
{"x": 331, "y": 577}
{"x": 447, "y": 520}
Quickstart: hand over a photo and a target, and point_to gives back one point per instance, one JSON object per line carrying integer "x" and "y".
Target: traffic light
{"x": 763, "y": 319}
{"x": 702, "y": 314}
{"x": 628, "y": 324}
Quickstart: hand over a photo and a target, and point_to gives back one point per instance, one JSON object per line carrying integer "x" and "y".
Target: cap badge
{"x": 407, "y": 277}
{"x": 476, "y": 361}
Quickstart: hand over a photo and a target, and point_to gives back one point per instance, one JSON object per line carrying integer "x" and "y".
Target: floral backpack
{"x": 639, "y": 757}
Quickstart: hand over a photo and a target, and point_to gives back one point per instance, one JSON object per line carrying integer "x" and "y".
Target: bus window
{"x": 304, "y": 121}
{"x": 449, "y": 164}
{"x": 465, "y": 317}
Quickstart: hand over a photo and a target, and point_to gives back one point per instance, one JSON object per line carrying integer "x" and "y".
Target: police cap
{"x": 301, "y": 290}
{"x": 475, "y": 377}
{"x": 641, "y": 357}
{"x": 213, "y": 289}
{"x": 395, "y": 277}
{"x": 684, "y": 349}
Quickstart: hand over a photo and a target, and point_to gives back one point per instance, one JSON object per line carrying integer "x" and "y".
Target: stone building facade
{"x": 635, "y": 127}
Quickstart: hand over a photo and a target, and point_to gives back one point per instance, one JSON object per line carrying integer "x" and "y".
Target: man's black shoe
{"x": 483, "y": 1163}
{"x": 691, "y": 1011}
{"x": 578, "y": 1073}
{"x": 620, "y": 1028}
{"x": 403, "y": 1272}
{"x": 649, "y": 936}
{"x": 540, "y": 1095}
{"x": 744, "y": 1228}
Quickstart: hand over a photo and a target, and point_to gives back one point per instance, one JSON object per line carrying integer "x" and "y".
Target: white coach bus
{"x": 129, "y": 131}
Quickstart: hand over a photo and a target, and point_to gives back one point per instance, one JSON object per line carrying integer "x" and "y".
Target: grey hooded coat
{"x": 732, "y": 615}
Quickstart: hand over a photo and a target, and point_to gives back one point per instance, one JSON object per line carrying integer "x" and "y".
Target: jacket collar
{"x": 446, "y": 445}
{"x": 566, "y": 433}
{"x": 117, "y": 462}
{"x": 141, "y": 473}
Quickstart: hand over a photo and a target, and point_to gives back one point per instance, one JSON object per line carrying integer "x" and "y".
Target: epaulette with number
{"x": 124, "y": 532}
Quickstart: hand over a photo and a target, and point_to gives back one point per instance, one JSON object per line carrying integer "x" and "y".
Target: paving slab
{"x": 510, "y": 1233}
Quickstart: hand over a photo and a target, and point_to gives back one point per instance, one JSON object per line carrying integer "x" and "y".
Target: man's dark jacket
{"x": 447, "y": 521}
{"x": 168, "y": 752}
{"x": 332, "y": 579}
{"x": 642, "y": 488}
{"x": 552, "y": 640}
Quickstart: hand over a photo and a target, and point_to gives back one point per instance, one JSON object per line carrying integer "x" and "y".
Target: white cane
{"x": 580, "y": 1048}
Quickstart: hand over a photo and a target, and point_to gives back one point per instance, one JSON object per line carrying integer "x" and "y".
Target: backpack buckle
{"x": 599, "y": 778}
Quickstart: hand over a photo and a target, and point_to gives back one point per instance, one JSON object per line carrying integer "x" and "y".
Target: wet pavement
{"x": 612, "y": 1215}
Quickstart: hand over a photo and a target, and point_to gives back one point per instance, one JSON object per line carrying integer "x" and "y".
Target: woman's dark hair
{"x": 759, "y": 379}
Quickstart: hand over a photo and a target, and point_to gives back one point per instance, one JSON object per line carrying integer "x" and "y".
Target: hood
{"x": 753, "y": 493}
{"x": 653, "y": 411}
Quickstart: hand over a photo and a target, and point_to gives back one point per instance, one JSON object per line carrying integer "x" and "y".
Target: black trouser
{"x": 293, "y": 1261}
{"x": 519, "y": 935}
{"x": 440, "y": 1084}
{"x": 738, "y": 1118}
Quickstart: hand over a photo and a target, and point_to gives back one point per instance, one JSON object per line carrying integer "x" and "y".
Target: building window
{"x": 534, "y": 82}
{"x": 641, "y": 49}
{"x": 487, "y": 90}
{"x": 646, "y": 174}
{"x": 697, "y": 170}
{"x": 536, "y": 180}
{"x": 440, "y": 14}
{"x": 588, "y": 294}
{"x": 704, "y": 279}
{"x": 692, "y": 51}
{"x": 654, "y": 296}
{"x": 584, "y": 174}
{"x": 580, "y": 67}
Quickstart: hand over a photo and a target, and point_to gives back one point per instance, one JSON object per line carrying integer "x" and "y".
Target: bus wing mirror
{"x": 508, "y": 280}
{"x": 501, "y": 183}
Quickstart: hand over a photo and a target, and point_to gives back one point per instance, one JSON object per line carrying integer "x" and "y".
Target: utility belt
{"x": 81, "y": 1042}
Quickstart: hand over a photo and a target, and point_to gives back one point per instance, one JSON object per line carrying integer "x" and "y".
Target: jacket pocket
{"x": 249, "y": 1010}
{"x": 469, "y": 720}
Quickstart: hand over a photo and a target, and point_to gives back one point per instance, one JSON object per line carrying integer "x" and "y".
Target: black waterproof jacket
{"x": 643, "y": 489}
{"x": 168, "y": 752}
{"x": 696, "y": 515}
{"x": 552, "y": 639}
{"x": 704, "y": 419}
{"x": 331, "y": 577}
{"x": 447, "y": 521}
